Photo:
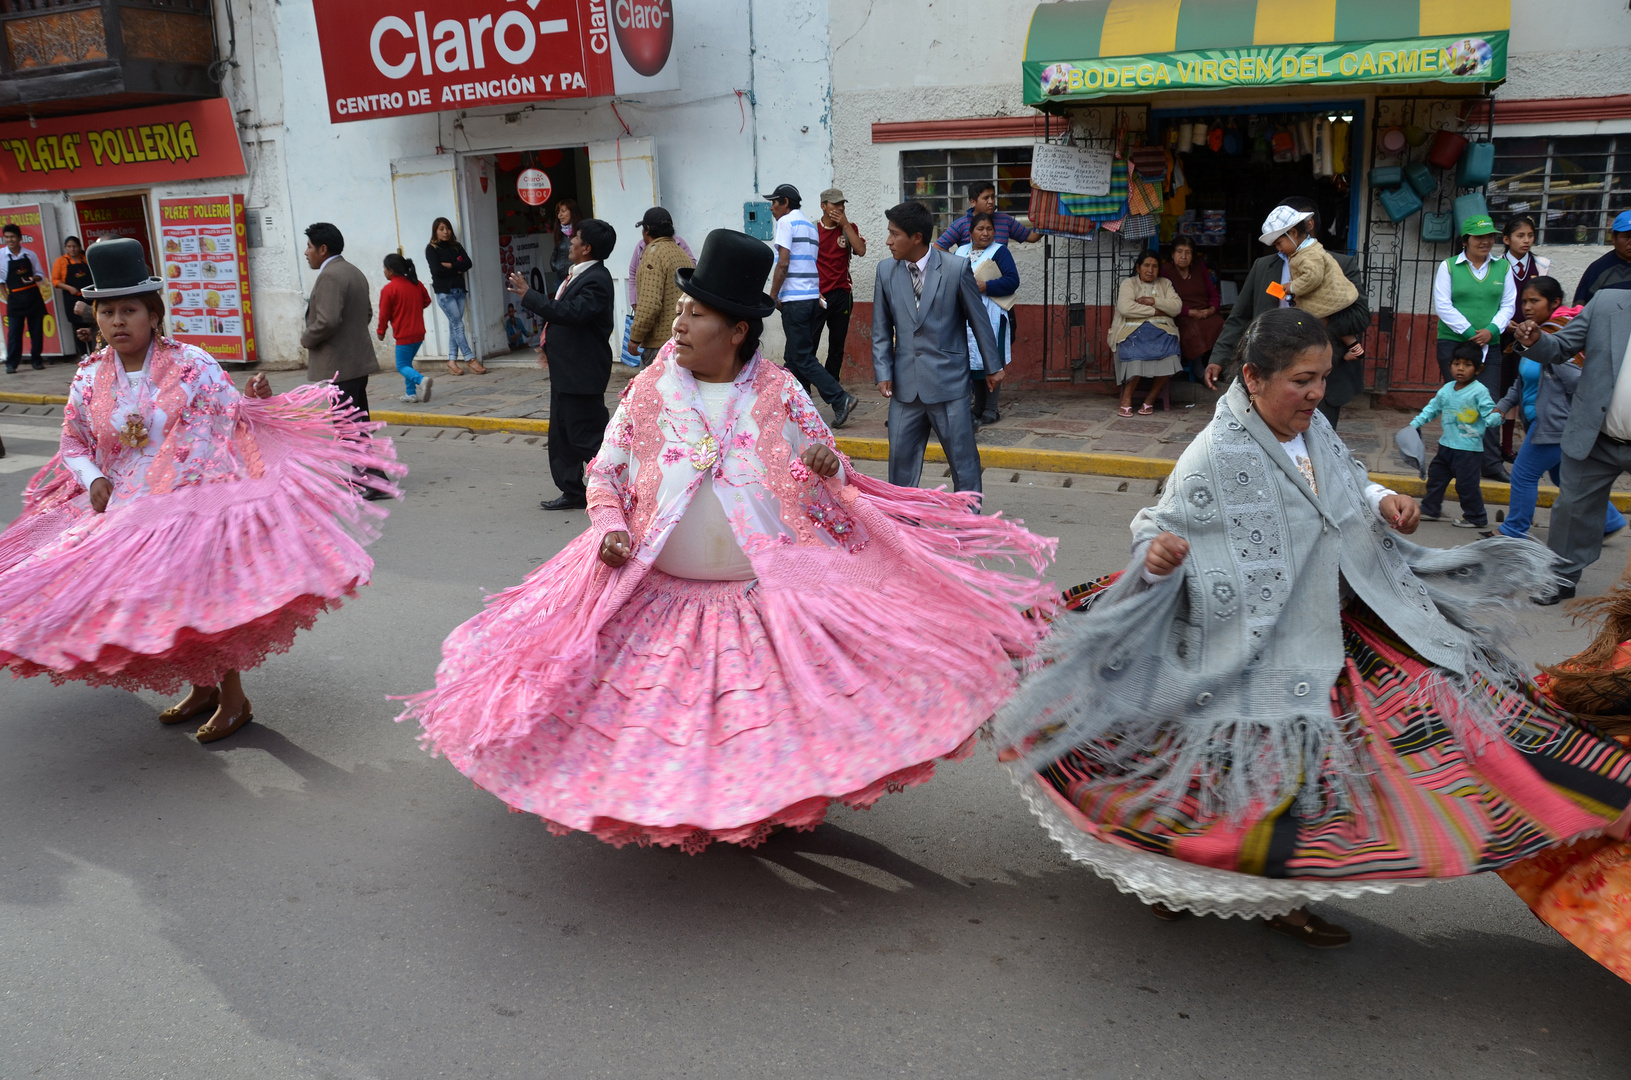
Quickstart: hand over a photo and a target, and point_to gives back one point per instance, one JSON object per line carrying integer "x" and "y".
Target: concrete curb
{"x": 993, "y": 457}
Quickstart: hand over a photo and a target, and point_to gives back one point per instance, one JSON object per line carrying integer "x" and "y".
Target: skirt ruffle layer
{"x": 184, "y": 586}
{"x": 689, "y": 730}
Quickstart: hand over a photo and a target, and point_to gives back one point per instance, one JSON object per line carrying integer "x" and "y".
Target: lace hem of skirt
{"x": 1159, "y": 879}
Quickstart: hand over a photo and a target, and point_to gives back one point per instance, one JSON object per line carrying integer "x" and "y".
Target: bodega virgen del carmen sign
{"x": 397, "y": 57}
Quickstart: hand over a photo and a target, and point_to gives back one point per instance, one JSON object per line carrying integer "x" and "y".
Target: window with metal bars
{"x": 939, "y": 179}
{"x": 1572, "y": 185}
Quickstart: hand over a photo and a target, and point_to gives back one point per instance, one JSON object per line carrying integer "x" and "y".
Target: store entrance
{"x": 1240, "y": 162}
{"x": 116, "y": 216}
{"x": 514, "y": 199}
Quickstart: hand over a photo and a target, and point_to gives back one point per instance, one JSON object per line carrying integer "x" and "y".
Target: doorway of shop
{"x": 1240, "y": 161}
{"x": 516, "y": 198}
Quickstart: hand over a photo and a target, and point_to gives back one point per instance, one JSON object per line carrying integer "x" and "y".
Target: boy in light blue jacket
{"x": 1466, "y": 409}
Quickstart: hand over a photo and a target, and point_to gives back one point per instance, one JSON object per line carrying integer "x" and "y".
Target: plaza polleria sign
{"x": 193, "y": 140}
{"x": 1479, "y": 58}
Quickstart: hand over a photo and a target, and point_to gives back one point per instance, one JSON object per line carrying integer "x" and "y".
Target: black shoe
{"x": 1500, "y": 476}
{"x": 1565, "y": 593}
{"x": 11, "y": 369}
{"x": 37, "y": 367}
{"x": 841, "y": 411}
{"x": 374, "y": 494}
{"x": 565, "y": 502}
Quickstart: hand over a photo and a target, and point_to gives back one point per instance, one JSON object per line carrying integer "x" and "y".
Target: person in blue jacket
{"x": 997, "y": 286}
{"x": 1544, "y": 394}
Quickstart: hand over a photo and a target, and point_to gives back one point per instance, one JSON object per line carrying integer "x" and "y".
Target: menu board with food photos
{"x": 206, "y": 275}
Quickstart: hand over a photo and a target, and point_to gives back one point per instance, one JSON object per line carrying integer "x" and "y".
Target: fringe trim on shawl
{"x": 254, "y": 557}
{"x": 933, "y": 590}
{"x": 1098, "y": 680}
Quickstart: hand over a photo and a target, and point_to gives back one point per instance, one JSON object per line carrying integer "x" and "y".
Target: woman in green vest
{"x": 1475, "y": 297}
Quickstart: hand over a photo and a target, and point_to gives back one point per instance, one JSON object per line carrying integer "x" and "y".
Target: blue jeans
{"x": 452, "y": 305}
{"x": 404, "y": 366}
{"x": 1534, "y": 461}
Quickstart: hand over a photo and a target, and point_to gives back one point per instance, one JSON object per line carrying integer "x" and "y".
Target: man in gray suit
{"x": 924, "y": 304}
{"x": 337, "y": 321}
{"x": 1597, "y": 438}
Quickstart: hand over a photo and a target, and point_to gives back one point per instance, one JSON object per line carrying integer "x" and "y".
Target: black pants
{"x": 798, "y": 324}
{"x": 835, "y": 319}
{"x": 355, "y": 393}
{"x": 1466, "y": 467}
{"x": 1494, "y": 463}
{"x": 33, "y": 319}
{"x": 984, "y": 406}
{"x": 577, "y": 423}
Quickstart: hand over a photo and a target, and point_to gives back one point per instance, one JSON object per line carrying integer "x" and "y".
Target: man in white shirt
{"x": 796, "y": 285}
{"x": 1597, "y": 438}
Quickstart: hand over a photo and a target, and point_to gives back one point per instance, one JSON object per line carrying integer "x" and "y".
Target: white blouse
{"x": 702, "y": 546}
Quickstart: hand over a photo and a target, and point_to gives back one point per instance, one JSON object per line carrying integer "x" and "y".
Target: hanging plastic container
{"x": 1477, "y": 163}
{"x": 1470, "y": 205}
{"x": 1386, "y": 176}
{"x": 1437, "y": 228}
{"x": 1186, "y": 140}
{"x": 1446, "y": 149}
{"x": 1391, "y": 142}
{"x": 1400, "y": 203}
{"x": 1420, "y": 178}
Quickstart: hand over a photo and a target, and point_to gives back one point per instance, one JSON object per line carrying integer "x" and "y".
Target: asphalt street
{"x": 317, "y": 897}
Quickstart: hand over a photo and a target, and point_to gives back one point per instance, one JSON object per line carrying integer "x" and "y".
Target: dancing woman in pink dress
{"x": 184, "y": 531}
{"x": 750, "y": 630}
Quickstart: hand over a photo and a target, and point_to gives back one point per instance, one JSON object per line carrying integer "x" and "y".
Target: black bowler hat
{"x": 118, "y": 268}
{"x": 730, "y": 275}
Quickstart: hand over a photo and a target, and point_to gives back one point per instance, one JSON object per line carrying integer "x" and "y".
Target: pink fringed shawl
{"x": 922, "y": 568}
{"x": 239, "y": 530}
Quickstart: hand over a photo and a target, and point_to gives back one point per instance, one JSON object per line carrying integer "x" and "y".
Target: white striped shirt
{"x": 797, "y": 235}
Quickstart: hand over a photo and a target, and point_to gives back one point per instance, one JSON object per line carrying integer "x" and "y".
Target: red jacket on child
{"x": 400, "y": 305}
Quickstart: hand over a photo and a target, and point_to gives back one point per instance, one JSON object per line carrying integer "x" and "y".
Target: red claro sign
{"x": 533, "y": 187}
{"x": 398, "y": 57}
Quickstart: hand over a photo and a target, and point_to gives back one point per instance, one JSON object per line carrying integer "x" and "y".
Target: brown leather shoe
{"x": 175, "y": 715}
{"x": 206, "y": 734}
{"x": 1316, "y": 933}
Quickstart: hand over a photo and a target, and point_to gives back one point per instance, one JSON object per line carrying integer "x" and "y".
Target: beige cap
{"x": 832, "y": 195}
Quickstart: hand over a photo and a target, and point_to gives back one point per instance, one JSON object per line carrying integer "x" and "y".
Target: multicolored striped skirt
{"x": 1434, "y": 805}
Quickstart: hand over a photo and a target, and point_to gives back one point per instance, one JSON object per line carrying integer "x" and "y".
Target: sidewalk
{"x": 1056, "y": 432}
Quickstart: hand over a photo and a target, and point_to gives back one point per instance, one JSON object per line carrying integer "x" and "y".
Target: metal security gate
{"x": 1081, "y": 275}
{"x": 1399, "y": 262}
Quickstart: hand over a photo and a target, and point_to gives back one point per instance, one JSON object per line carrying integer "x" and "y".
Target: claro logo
{"x": 452, "y": 45}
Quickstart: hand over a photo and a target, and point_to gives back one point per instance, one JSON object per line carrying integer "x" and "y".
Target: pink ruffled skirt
{"x": 688, "y": 731}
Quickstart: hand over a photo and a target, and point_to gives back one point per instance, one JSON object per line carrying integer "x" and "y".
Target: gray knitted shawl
{"x": 1222, "y": 672}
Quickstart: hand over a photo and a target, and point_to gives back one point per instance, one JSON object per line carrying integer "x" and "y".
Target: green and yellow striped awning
{"x": 1084, "y": 49}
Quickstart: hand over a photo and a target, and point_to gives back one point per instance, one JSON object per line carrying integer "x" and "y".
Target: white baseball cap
{"x": 1280, "y": 221}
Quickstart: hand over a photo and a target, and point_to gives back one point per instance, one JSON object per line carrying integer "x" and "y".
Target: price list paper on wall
{"x": 205, "y": 266}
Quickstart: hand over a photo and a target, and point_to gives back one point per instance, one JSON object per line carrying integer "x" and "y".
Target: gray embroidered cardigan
{"x": 1222, "y": 672}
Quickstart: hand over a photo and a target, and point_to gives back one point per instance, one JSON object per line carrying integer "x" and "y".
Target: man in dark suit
{"x": 1597, "y": 438}
{"x": 578, "y": 352}
{"x": 336, "y": 337}
{"x": 924, "y": 304}
{"x": 1347, "y": 376}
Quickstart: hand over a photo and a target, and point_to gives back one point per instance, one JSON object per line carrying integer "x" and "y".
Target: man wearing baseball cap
{"x": 656, "y": 294}
{"x": 796, "y": 285}
{"x": 1613, "y": 270}
{"x": 839, "y": 240}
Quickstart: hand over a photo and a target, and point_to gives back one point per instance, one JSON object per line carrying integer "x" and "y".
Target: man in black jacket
{"x": 578, "y": 351}
{"x": 1347, "y": 376}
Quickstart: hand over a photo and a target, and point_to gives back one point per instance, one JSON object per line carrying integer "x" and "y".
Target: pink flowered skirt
{"x": 688, "y": 731}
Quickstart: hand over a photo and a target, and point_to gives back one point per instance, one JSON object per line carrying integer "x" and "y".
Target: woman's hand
{"x": 979, "y": 285}
{"x": 1167, "y": 553}
{"x": 821, "y": 460}
{"x": 1147, "y": 301}
{"x": 616, "y": 548}
{"x": 1200, "y": 313}
{"x": 101, "y": 492}
{"x": 1483, "y": 337}
{"x": 1402, "y": 512}
{"x": 258, "y": 386}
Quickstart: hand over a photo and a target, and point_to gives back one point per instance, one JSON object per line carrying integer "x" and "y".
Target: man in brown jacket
{"x": 338, "y": 316}
{"x": 658, "y": 294}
